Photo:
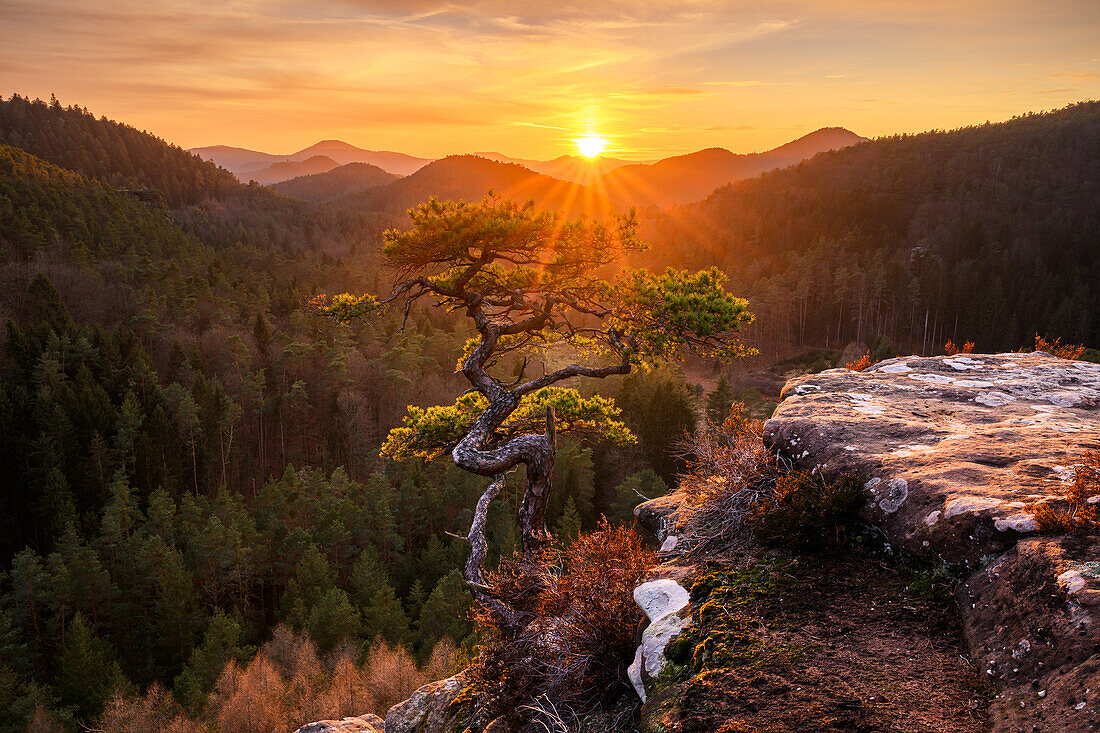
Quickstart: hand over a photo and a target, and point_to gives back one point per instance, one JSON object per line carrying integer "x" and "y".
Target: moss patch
{"x": 726, "y": 631}
{"x": 840, "y": 642}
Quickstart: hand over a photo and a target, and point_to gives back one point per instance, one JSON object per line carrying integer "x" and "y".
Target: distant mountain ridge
{"x": 469, "y": 177}
{"x": 674, "y": 180}
{"x": 685, "y": 178}
{"x": 288, "y": 169}
{"x": 576, "y": 168}
{"x": 259, "y": 166}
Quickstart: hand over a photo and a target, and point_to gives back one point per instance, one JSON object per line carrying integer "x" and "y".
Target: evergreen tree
{"x": 380, "y": 610}
{"x": 632, "y": 491}
{"x": 87, "y": 671}
{"x": 446, "y": 612}
{"x": 220, "y": 644}
{"x": 569, "y": 523}
{"x": 719, "y": 401}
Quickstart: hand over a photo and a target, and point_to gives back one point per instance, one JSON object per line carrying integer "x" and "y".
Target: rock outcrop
{"x": 957, "y": 451}
{"x": 429, "y": 708}
{"x": 957, "y": 454}
{"x": 1032, "y": 618}
{"x": 360, "y": 724}
{"x": 665, "y": 603}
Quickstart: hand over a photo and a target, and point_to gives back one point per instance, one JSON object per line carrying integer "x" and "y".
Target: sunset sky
{"x": 525, "y": 78}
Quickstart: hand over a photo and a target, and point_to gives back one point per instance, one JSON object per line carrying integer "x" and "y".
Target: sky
{"x": 527, "y": 77}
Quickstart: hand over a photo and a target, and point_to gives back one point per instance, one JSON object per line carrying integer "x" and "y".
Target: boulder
{"x": 957, "y": 452}
{"x": 362, "y": 724}
{"x": 429, "y": 708}
{"x": 666, "y": 604}
{"x": 658, "y": 515}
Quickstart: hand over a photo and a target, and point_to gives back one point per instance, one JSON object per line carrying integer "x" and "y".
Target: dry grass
{"x": 737, "y": 491}
{"x": 729, "y": 474}
{"x": 1082, "y": 515}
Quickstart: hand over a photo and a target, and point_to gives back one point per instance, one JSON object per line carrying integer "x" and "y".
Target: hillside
{"x": 469, "y": 177}
{"x": 990, "y": 233}
{"x": 685, "y": 178}
{"x": 287, "y": 169}
{"x": 335, "y": 183}
{"x": 109, "y": 151}
{"x": 191, "y": 470}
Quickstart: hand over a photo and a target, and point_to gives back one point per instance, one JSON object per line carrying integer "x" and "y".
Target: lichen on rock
{"x": 978, "y": 442}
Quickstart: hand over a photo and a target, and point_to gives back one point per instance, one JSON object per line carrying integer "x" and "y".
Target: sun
{"x": 591, "y": 146}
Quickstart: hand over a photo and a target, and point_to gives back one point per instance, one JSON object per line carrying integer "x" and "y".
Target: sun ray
{"x": 591, "y": 146}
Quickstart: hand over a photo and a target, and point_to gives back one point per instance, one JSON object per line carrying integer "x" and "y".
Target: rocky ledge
{"x": 957, "y": 453}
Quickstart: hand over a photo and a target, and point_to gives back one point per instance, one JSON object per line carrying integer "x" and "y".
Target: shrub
{"x": 730, "y": 472}
{"x": 1081, "y": 515}
{"x": 951, "y": 349}
{"x": 570, "y": 659}
{"x": 807, "y": 511}
{"x": 736, "y": 490}
{"x": 1057, "y": 348}
{"x": 861, "y": 363}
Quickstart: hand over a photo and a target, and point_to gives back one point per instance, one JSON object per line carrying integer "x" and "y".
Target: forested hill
{"x": 203, "y": 199}
{"x": 110, "y": 151}
{"x": 337, "y": 182}
{"x": 990, "y": 233}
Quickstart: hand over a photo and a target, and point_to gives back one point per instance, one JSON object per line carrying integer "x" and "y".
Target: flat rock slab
{"x": 361, "y": 724}
{"x": 957, "y": 452}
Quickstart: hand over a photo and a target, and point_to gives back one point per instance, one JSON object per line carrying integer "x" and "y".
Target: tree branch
{"x": 479, "y": 548}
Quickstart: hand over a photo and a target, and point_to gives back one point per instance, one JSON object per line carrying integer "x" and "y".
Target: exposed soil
{"x": 820, "y": 644}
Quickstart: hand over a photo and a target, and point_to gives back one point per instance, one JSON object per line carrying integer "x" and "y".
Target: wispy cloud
{"x": 524, "y": 76}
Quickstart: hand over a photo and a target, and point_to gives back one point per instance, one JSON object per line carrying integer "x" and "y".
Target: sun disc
{"x": 591, "y": 146}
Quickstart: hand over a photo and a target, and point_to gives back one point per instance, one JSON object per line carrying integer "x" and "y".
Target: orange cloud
{"x": 526, "y": 77}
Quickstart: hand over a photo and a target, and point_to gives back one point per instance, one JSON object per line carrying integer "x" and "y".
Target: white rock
{"x": 1072, "y": 581}
{"x": 654, "y": 640}
{"x": 897, "y": 493}
{"x": 970, "y": 505}
{"x": 659, "y": 598}
{"x": 1017, "y": 522}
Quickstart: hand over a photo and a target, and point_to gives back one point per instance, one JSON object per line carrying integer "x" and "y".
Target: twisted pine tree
{"x": 531, "y": 283}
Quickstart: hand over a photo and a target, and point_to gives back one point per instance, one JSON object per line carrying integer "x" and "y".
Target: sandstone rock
{"x": 1032, "y": 619}
{"x": 666, "y": 603}
{"x": 658, "y": 598}
{"x": 428, "y": 710}
{"x": 362, "y": 724}
{"x": 658, "y": 515}
{"x": 957, "y": 452}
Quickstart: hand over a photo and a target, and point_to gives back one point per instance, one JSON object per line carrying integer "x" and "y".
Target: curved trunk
{"x": 536, "y": 452}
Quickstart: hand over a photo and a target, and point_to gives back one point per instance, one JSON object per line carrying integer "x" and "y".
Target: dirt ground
{"x": 850, "y": 644}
